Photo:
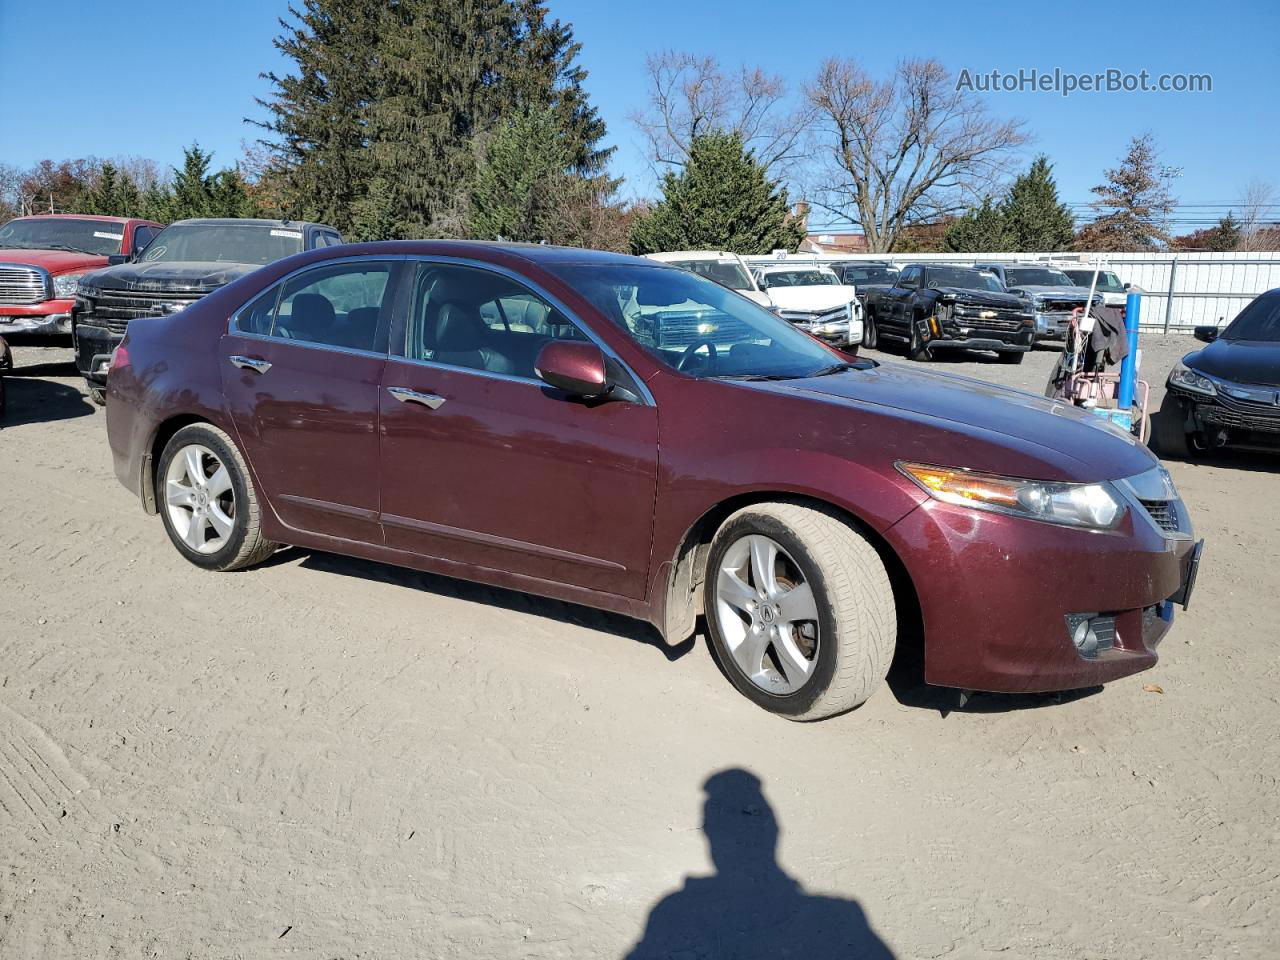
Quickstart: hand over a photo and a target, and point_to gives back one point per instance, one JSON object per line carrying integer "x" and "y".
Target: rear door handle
{"x": 250, "y": 363}
{"x": 429, "y": 400}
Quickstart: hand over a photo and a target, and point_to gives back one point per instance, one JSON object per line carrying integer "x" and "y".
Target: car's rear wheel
{"x": 207, "y": 501}
{"x": 799, "y": 609}
{"x": 869, "y": 332}
{"x": 1010, "y": 356}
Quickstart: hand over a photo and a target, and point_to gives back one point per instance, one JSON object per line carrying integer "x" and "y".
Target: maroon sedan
{"x": 618, "y": 433}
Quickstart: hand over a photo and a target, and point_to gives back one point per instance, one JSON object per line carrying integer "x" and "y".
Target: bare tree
{"x": 908, "y": 150}
{"x": 1257, "y": 213}
{"x": 690, "y": 96}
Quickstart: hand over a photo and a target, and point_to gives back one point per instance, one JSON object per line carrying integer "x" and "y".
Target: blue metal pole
{"x": 1129, "y": 365}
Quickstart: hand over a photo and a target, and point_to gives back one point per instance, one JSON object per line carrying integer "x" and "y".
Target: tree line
{"x": 444, "y": 118}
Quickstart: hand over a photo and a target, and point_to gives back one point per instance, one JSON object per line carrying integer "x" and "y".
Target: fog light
{"x": 1092, "y": 633}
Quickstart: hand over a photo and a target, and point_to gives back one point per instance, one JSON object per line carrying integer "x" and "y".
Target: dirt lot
{"x": 329, "y": 758}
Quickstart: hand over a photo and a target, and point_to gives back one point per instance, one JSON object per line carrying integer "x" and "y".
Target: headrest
{"x": 459, "y": 328}
{"x": 312, "y": 316}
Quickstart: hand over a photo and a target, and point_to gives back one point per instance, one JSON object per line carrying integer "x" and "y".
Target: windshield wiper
{"x": 837, "y": 368}
{"x": 757, "y": 376}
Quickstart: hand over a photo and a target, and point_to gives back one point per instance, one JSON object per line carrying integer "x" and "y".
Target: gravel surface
{"x": 329, "y": 758}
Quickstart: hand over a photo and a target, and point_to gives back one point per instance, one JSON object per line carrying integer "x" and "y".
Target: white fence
{"x": 1180, "y": 290}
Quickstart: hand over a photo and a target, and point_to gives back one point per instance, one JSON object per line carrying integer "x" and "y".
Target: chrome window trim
{"x": 233, "y": 325}
{"x": 646, "y": 397}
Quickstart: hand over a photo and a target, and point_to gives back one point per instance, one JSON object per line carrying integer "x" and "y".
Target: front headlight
{"x": 1090, "y": 505}
{"x": 66, "y": 286}
{"x": 1183, "y": 376}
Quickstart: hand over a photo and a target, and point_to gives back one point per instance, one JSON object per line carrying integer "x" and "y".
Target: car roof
{"x": 774, "y": 267}
{"x": 670, "y": 255}
{"x": 79, "y": 216}
{"x": 252, "y": 222}
{"x": 536, "y": 253}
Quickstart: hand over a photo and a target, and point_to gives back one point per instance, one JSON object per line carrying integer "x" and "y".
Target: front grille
{"x": 113, "y": 309}
{"x": 683, "y": 329}
{"x": 23, "y": 285}
{"x": 1059, "y": 306}
{"x": 1163, "y": 512}
{"x": 999, "y": 319}
{"x": 1221, "y": 416}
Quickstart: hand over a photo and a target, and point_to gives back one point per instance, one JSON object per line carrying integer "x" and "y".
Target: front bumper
{"x": 93, "y": 346}
{"x": 996, "y": 594}
{"x": 976, "y": 338}
{"x": 841, "y": 333}
{"x": 1254, "y": 423}
{"x": 44, "y": 319}
{"x": 1053, "y": 326}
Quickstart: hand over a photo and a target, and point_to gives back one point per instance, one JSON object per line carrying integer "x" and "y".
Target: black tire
{"x": 870, "y": 336}
{"x": 244, "y": 546}
{"x": 1169, "y": 437}
{"x": 1010, "y": 356}
{"x": 98, "y": 395}
{"x": 917, "y": 349}
{"x": 856, "y": 620}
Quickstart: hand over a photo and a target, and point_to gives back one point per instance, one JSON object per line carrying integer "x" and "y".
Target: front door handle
{"x": 250, "y": 363}
{"x": 429, "y": 400}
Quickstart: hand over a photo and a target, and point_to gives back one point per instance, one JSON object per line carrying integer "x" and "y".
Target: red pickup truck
{"x": 43, "y": 257}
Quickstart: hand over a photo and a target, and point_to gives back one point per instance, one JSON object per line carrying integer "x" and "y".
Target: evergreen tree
{"x": 1034, "y": 218}
{"x": 156, "y": 203}
{"x": 983, "y": 229}
{"x": 373, "y": 215}
{"x": 402, "y": 91}
{"x": 128, "y": 200}
{"x": 1134, "y": 204}
{"x": 191, "y": 185}
{"x": 320, "y": 160}
{"x": 722, "y": 200}
{"x": 103, "y": 199}
{"x": 1226, "y": 235}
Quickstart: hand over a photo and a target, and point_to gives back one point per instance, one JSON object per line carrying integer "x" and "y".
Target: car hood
{"x": 1006, "y": 430}
{"x": 984, "y": 298}
{"x": 55, "y": 261}
{"x": 187, "y": 276}
{"x": 823, "y": 297}
{"x": 1054, "y": 293}
{"x": 1241, "y": 361}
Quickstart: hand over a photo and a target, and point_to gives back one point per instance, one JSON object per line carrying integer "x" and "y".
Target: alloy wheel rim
{"x": 200, "y": 498}
{"x": 767, "y": 615}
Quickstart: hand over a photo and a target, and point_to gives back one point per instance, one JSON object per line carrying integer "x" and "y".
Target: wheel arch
{"x": 163, "y": 433}
{"x": 680, "y": 590}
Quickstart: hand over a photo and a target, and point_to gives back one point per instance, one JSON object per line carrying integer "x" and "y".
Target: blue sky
{"x": 147, "y": 77}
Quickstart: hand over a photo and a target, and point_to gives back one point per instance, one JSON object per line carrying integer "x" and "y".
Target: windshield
{"x": 697, "y": 327}
{"x": 1108, "y": 282}
{"x": 861, "y": 276}
{"x": 1260, "y": 320}
{"x": 801, "y": 278}
{"x": 99, "y": 237}
{"x": 1036, "y": 277}
{"x": 726, "y": 272}
{"x": 223, "y": 243}
{"x": 963, "y": 278}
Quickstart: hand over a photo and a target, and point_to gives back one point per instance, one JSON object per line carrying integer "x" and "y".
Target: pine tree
{"x": 373, "y": 215}
{"x": 229, "y": 195}
{"x": 983, "y": 229}
{"x": 1134, "y": 204}
{"x": 1033, "y": 217}
{"x": 722, "y": 200}
{"x": 103, "y": 199}
{"x": 402, "y": 92}
{"x": 128, "y": 200}
{"x": 190, "y": 193}
{"x": 156, "y": 203}
{"x": 319, "y": 115}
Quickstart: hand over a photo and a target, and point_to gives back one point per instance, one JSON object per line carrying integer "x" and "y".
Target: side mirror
{"x": 575, "y": 367}
{"x": 116, "y": 259}
{"x": 1206, "y": 334}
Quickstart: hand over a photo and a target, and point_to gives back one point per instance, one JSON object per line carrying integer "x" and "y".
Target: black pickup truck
{"x": 186, "y": 261}
{"x": 935, "y": 306}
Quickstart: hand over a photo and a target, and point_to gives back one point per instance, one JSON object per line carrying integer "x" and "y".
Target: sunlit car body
{"x": 508, "y": 414}
{"x": 721, "y": 266}
{"x": 815, "y": 299}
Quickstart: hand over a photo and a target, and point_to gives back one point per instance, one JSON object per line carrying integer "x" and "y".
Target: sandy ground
{"x": 336, "y": 759}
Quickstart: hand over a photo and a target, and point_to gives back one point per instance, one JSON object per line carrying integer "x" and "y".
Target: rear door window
{"x": 341, "y": 305}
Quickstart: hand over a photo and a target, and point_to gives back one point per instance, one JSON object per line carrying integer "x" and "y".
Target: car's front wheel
{"x": 917, "y": 349}
{"x": 799, "y": 609}
{"x": 1168, "y": 430}
{"x": 207, "y": 500}
{"x": 869, "y": 333}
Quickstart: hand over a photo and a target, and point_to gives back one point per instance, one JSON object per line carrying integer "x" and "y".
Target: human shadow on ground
{"x": 750, "y": 908}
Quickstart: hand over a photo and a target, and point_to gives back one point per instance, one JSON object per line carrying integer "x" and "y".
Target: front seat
{"x": 462, "y": 339}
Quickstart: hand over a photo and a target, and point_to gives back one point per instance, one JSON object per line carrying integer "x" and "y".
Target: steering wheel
{"x": 691, "y": 351}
